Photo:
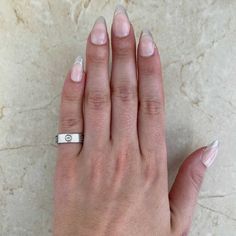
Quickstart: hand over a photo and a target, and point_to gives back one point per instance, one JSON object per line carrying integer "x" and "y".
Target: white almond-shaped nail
{"x": 210, "y": 153}
{"x": 121, "y": 23}
{"x": 147, "y": 46}
{"x": 99, "y": 32}
{"x": 77, "y": 70}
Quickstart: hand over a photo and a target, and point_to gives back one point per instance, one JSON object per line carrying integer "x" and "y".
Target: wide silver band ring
{"x": 69, "y": 138}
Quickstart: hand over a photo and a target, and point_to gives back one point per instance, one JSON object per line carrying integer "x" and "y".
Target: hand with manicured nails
{"x": 115, "y": 183}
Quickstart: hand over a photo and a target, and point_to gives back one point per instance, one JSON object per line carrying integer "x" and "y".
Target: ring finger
{"x": 71, "y": 111}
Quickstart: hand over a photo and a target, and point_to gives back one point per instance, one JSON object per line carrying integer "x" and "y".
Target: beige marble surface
{"x": 39, "y": 40}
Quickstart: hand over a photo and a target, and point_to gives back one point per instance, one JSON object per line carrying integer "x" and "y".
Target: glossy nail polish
{"x": 77, "y": 70}
{"x": 210, "y": 153}
{"x": 146, "y": 44}
{"x": 121, "y": 23}
{"x": 99, "y": 32}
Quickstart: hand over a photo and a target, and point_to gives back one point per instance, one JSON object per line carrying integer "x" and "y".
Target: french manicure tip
{"x": 214, "y": 144}
{"x": 101, "y": 19}
{"x": 99, "y": 32}
{"x": 146, "y": 32}
{"x": 147, "y": 45}
{"x": 79, "y": 60}
{"x": 120, "y": 9}
{"x": 209, "y": 154}
{"x": 77, "y": 70}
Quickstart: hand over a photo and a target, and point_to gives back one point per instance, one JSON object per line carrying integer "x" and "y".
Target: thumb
{"x": 184, "y": 192}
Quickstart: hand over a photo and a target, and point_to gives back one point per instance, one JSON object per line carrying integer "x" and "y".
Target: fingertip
{"x": 148, "y": 56}
{"x": 146, "y": 44}
{"x": 121, "y": 24}
{"x": 77, "y": 70}
{"x": 99, "y": 35}
{"x": 194, "y": 159}
{"x": 204, "y": 156}
{"x": 209, "y": 154}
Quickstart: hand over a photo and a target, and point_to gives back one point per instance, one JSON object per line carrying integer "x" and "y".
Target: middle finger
{"x": 97, "y": 90}
{"x": 123, "y": 79}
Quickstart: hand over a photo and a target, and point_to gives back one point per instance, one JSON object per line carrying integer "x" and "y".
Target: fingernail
{"x": 77, "y": 70}
{"x": 121, "y": 24}
{"x": 99, "y": 32}
{"x": 146, "y": 44}
{"x": 210, "y": 153}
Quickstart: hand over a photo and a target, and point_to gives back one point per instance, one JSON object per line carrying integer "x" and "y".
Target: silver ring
{"x": 69, "y": 138}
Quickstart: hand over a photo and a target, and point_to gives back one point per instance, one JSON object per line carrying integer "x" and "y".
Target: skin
{"x": 115, "y": 183}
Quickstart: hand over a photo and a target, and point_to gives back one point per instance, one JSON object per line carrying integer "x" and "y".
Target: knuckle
{"x": 152, "y": 105}
{"x": 69, "y": 122}
{"x": 65, "y": 171}
{"x": 98, "y": 166}
{"x": 70, "y": 95}
{"x": 148, "y": 69}
{"x": 97, "y": 58}
{"x": 98, "y": 100}
{"x": 125, "y": 92}
{"x": 151, "y": 171}
{"x": 124, "y": 49}
{"x": 122, "y": 160}
{"x": 96, "y": 169}
{"x": 65, "y": 181}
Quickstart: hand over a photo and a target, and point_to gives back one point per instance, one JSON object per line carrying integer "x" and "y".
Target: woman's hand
{"x": 116, "y": 184}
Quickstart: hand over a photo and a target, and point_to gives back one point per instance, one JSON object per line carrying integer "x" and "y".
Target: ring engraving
{"x": 68, "y": 137}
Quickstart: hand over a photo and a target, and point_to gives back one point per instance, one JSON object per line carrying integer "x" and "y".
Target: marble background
{"x": 39, "y": 40}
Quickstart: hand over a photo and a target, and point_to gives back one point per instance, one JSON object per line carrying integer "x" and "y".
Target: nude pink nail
{"x": 121, "y": 23}
{"x": 99, "y": 32}
{"x": 210, "y": 153}
{"x": 77, "y": 70}
{"x": 146, "y": 44}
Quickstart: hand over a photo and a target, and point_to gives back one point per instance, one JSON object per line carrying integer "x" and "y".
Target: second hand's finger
{"x": 185, "y": 190}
